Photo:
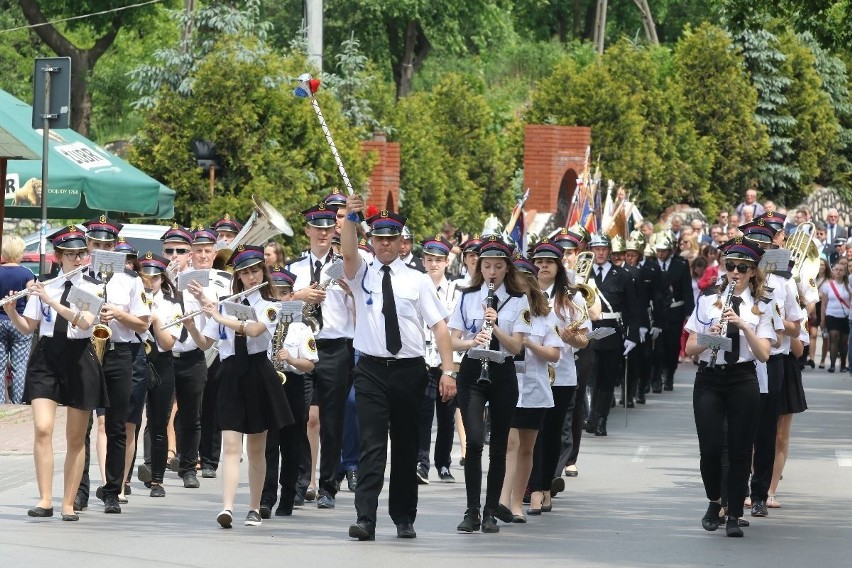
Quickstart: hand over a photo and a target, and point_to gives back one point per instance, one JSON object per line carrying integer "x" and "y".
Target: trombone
{"x": 230, "y": 298}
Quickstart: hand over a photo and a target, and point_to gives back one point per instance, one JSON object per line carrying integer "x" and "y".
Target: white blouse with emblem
{"x": 36, "y": 310}
{"x": 513, "y": 315}
{"x": 267, "y": 313}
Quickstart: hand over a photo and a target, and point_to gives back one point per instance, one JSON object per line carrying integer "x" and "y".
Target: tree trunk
{"x": 648, "y": 21}
{"x": 599, "y": 37}
{"x": 82, "y": 60}
{"x": 578, "y": 27}
{"x": 407, "y": 53}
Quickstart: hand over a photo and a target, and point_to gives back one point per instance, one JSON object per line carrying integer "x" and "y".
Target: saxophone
{"x": 278, "y": 337}
{"x": 724, "y": 331}
{"x": 101, "y": 333}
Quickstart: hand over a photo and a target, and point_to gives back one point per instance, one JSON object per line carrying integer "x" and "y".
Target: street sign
{"x": 56, "y": 71}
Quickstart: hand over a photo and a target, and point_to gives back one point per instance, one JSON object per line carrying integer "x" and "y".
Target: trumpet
{"x": 17, "y": 296}
{"x": 230, "y": 298}
{"x": 484, "y": 378}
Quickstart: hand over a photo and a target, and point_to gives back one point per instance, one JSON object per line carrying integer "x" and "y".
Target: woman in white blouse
{"x": 835, "y": 297}
{"x": 510, "y": 320}
{"x": 726, "y": 388}
{"x": 535, "y": 370}
{"x": 250, "y": 399}
{"x": 62, "y": 369}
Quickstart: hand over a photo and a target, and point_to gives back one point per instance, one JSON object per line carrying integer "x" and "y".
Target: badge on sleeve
{"x": 271, "y": 314}
{"x": 526, "y": 316}
{"x": 556, "y": 328}
{"x": 777, "y": 310}
{"x": 312, "y": 345}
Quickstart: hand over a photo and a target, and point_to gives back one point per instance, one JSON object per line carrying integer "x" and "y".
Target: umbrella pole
{"x": 3, "y": 163}
{"x": 45, "y": 148}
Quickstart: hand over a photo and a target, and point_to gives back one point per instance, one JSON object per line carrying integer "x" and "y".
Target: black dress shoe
{"x": 504, "y": 513}
{"x": 630, "y": 404}
{"x": 265, "y": 511}
{"x": 111, "y": 504}
{"x": 732, "y": 527}
{"x": 471, "y": 521}
{"x": 352, "y": 479}
{"x": 283, "y": 510}
{"x": 710, "y": 521}
{"x": 80, "y": 504}
{"x": 489, "y": 522}
{"x": 40, "y": 512}
{"x": 363, "y": 530}
{"x": 70, "y": 517}
{"x": 557, "y": 486}
{"x": 298, "y": 500}
{"x": 405, "y": 530}
{"x": 519, "y": 519}
{"x": 640, "y": 399}
{"x": 127, "y": 489}
{"x": 99, "y": 492}
{"x": 758, "y": 509}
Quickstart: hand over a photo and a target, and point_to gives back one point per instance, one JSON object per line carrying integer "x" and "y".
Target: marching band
{"x": 247, "y": 348}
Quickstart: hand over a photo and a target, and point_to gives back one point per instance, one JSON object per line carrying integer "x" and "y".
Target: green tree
{"x": 721, "y": 102}
{"x": 269, "y": 140}
{"x": 816, "y": 135}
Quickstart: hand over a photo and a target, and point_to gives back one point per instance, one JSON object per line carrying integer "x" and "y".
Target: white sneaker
{"x": 225, "y": 518}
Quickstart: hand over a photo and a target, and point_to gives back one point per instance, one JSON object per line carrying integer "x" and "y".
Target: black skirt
{"x": 66, "y": 371}
{"x": 529, "y": 418}
{"x": 792, "y": 400}
{"x": 250, "y": 398}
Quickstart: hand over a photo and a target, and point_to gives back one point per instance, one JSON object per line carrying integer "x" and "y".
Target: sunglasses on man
{"x": 175, "y": 250}
{"x": 741, "y": 268}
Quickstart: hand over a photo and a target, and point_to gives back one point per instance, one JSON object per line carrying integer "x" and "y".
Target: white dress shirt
{"x": 219, "y": 286}
{"x": 534, "y": 382}
{"x": 267, "y": 313}
{"x": 448, "y": 295}
{"x": 566, "y": 368}
{"x": 300, "y": 344}
{"x": 38, "y": 311}
{"x": 707, "y": 313}
{"x": 128, "y": 293}
{"x": 513, "y": 314}
{"x": 167, "y": 310}
{"x": 417, "y": 305}
{"x": 337, "y": 317}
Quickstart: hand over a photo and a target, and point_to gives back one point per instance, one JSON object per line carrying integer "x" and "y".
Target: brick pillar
{"x": 553, "y": 158}
{"x": 383, "y": 185}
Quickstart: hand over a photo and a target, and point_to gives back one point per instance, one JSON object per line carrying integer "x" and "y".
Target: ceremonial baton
{"x": 305, "y": 90}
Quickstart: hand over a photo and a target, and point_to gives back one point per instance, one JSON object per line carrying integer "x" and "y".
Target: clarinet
{"x": 724, "y": 331}
{"x": 484, "y": 378}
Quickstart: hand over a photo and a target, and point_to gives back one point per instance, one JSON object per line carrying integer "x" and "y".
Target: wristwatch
{"x": 451, "y": 374}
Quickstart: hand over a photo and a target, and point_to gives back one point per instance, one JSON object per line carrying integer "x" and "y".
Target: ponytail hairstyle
{"x": 538, "y": 301}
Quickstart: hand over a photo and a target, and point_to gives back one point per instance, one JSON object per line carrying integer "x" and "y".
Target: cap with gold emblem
{"x": 335, "y": 199}
{"x": 227, "y": 225}
{"x": 437, "y": 246}
{"x": 177, "y": 234}
{"x": 69, "y": 237}
{"x": 102, "y": 229}
{"x": 123, "y": 246}
{"x": 246, "y": 256}
{"x": 204, "y": 236}
{"x": 386, "y": 224}
{"x": 281, "y": 277}
{"x": 152, "y": 264}
{"x": 493, "y": 246}
{"x": 320, "y": 215}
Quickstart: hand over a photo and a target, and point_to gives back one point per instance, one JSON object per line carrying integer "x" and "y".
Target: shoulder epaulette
{"x": 131, "y": 273}
{"x": 224, "y": 274}
{"x": 91, "y": 279}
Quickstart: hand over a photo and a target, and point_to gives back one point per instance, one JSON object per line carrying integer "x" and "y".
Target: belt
{"x": 610, "y": 315}
{"x": 188, "y": 354}
{"x": 333, "y": 341}
{"x": 677, "y": 304}
{"x": 744, "y": 366}
{"x": 390, "y": 361}
{"x": 114, "y": 344}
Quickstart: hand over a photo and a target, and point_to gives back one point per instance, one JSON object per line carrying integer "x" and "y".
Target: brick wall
{"x": 553, "y": 154}
{"x": 383, "y": 185}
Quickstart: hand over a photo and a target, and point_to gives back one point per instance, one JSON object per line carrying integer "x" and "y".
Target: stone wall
{"x": 823, "y": 199}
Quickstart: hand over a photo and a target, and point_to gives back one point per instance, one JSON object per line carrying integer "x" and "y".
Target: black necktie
{"x": 315, "y": 278}
{"x": 60, "y": 328}
{"x": 600, "y": 273}
{"x": 494, "y": 345}
{"x": 241, "y": 344}
{"x": 733, "y": 355}
{"x": 392, "y": 337}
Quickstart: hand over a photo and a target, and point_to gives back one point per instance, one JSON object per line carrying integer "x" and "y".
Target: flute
{"x": 230, "y": 298}
{"x": 22, "y": 293}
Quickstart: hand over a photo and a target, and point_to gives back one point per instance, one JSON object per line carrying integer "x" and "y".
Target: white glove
{"x": 628, "y": 346}
{"x": 643, "y": 332}
{"x": 655, "y": 332}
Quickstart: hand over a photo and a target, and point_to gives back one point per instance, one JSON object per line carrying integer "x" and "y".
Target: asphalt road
{"x": 637, "y": 502}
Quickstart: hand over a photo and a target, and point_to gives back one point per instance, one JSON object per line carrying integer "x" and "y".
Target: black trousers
{"x": 305, "y": 459}
{"x": 118, "y": 374}
{"x": 159, "y": 410}
{"x": 190, "y": 378}
{"x": 767, "y": 428}
{"x": 609, "y": 372}
{"x": 210, "y": 445}
{"x": 388, "y": 399}
{"x": 634, "y": 364}
{"x": 666, "y": 354}
{"x": 585, "y": 367}
{"x": 331, "y": 383}
{"x": 445, "y": 412}
{"x": 550, "y": 443}
{"x": 730, "y": 395}
{"x": 502, "y": 398}
{"x": 286, "y": 445}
